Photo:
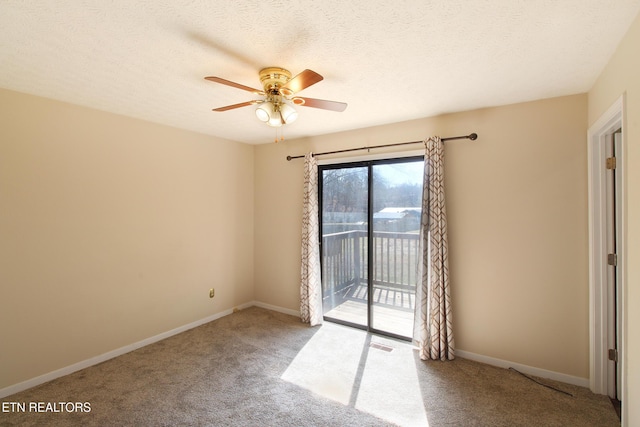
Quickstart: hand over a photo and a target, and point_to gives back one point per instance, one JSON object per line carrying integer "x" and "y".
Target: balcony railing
{"x": 344, "y": 270}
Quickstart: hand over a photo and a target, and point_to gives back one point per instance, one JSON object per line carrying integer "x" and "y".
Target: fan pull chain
{"x": 275, "y": 140}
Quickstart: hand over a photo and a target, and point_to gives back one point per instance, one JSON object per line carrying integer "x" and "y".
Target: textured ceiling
{"x": 389, "y": 60}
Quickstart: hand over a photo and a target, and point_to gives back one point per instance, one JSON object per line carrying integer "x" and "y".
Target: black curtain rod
{"x": 471, "y": 136}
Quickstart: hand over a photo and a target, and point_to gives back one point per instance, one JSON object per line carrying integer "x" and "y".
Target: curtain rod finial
{"x": 473, "y": 136}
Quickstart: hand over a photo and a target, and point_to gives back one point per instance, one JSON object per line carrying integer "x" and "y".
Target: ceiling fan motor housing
{"x": 273, "y": 78}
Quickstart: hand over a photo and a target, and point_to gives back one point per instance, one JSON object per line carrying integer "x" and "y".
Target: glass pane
{"x": 344, "y": 244}
{"x": 397, "y": 201}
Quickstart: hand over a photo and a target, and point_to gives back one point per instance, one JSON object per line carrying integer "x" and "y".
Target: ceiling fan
{"x": 279, "y": 93}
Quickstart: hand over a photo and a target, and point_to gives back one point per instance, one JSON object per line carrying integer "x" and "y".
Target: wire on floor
{"x": 541, "y": 383}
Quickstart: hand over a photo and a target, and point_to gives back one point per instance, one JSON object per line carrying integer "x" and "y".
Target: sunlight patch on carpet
{"x": 390, "y": 388}
{"x": 374, "y": 375}
{"x": 318, "y": 367}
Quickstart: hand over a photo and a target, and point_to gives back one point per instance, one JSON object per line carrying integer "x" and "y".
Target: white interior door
{"x": 617, "y": 151}
{"x": 613, "y": 145}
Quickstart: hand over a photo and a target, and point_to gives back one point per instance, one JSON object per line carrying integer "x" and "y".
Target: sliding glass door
{"x": 345, "y": 229}
{"x": 370, "y": 218}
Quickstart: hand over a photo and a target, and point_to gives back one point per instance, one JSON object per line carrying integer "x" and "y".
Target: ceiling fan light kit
{"x": 276, "y": 114}
{"x": 289, "y": 114}
{"x": 278, "y": 91}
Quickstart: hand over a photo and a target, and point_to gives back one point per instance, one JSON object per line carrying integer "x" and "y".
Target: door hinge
{"x": 613, "y": 354}
{"x": 612, "y": 259}
{"x": 611, "y": 162}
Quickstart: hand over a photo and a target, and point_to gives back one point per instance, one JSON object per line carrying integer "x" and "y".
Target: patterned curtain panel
{"x": 432, "y": 328}
{"x": 310, "y": 285}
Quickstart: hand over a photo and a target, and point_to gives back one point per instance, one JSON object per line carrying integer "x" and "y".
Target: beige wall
{"x": 517, "y": 205}
{"x": 112, "y": 230}
{"x": 620, "y": 76}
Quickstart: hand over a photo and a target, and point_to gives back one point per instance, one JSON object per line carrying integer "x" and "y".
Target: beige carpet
{"x": 262, "y": 368}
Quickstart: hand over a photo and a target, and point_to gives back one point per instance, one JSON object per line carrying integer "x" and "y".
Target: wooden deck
{"x": 395, "y": 258}
{"x": 392, "y": 309}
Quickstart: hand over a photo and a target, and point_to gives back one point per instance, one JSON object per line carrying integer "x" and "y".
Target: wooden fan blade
{"x": 242, "y": 104}
{"x": 320, "y": 103}
{"x": 300, "y": 82}
{"x": 234, "y": 84}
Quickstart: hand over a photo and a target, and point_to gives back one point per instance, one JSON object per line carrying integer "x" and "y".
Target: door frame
{"x": 599, "y": 305}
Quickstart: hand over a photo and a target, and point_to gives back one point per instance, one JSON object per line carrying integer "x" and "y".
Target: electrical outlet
{"x": 212, "y": 293}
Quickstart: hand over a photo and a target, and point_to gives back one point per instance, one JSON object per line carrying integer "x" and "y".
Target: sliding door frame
{"x": 369, "y": 164}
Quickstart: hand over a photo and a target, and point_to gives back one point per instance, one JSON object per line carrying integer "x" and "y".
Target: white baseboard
{"x": 276, "y": 308}
{"x": 16, "y": 388}
{"x": 530, "y": 370}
